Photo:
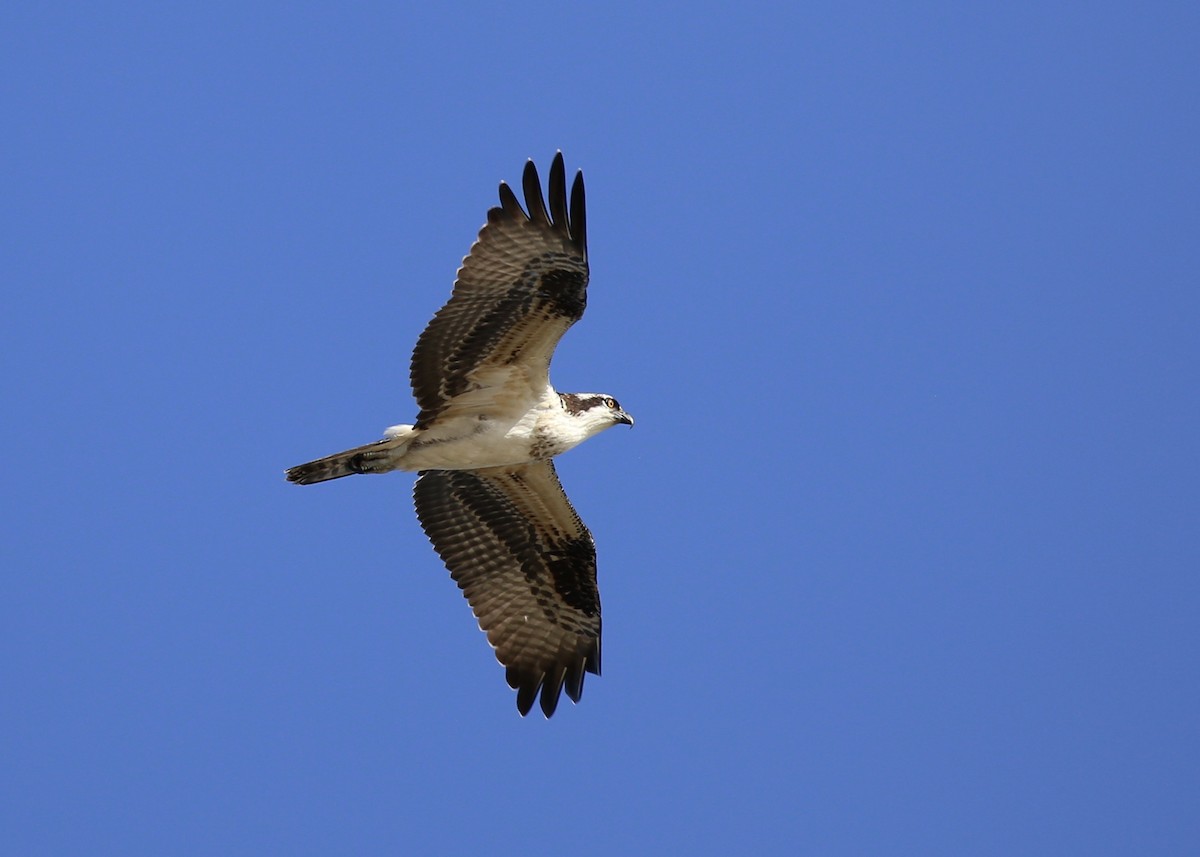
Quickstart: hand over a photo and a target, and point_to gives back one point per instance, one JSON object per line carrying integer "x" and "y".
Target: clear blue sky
{"x": 901, "y": 557}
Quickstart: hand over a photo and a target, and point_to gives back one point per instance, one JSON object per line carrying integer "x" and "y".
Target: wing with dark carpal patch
{"x": 527, "y": 565}
{"x": 518, "y": 290}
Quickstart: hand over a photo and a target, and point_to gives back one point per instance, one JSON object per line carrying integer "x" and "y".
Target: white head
{"x": 597, "y": 411}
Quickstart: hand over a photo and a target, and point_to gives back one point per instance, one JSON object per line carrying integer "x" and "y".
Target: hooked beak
{"x": 623, "y": 417}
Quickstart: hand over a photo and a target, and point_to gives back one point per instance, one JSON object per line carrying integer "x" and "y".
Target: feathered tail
{"x": 378, "y": 457}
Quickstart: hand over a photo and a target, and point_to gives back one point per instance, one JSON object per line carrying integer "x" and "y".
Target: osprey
{"x": 489, "y": 425}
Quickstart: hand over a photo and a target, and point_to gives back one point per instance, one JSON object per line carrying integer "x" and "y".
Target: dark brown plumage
{"x": 533, "y": 589}
{"x": 489, "y": 423}
{"x": 521, "y": 287}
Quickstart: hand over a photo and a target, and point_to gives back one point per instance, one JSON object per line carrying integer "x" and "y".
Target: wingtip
{"x": 578, "y": 219}
{"x": 564, "y": 212}
{"x": 546, "y": 690}
{"x": 532, "y": 185}
{"x": 509, "y": 203}
{"x": 526, "y": 695}
{"x": 552, "y": 685}
{"x": 574, "y": 682}
{"x": 558, "y": 194}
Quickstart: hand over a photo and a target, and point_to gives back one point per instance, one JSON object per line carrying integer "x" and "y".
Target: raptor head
{"x": 598, "y": 410}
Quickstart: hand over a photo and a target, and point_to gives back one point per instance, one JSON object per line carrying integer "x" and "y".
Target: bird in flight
{"x": 489, "y": 425}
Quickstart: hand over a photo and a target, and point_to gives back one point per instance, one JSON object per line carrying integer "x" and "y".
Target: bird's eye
{"x": 610, "y": 402}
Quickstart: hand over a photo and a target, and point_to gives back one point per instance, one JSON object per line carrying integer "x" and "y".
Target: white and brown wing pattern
{"x": 527, "y": 565}
{"x": 518, "y": 290}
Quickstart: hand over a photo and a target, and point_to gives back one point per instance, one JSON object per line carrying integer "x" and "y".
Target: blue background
{"x": 901, "y": 556}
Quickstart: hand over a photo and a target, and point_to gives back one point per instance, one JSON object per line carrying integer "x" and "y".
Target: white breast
{"x": 471, "y": 437}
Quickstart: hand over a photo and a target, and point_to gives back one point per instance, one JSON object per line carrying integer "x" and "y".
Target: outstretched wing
{"x": 518, "y": 290}
{"x": 527, "y": 565}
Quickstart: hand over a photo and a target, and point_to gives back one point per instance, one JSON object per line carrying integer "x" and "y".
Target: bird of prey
{"x": 488, "y": 427}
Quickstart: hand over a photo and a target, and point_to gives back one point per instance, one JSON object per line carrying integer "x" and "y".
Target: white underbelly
{"x": 485, "y": 445}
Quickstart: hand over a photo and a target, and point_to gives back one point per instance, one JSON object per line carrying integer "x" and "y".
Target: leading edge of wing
{"x": 527, "y": 566}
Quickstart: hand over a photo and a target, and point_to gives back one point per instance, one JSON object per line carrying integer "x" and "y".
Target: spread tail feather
{"x": 378, "y": 457}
